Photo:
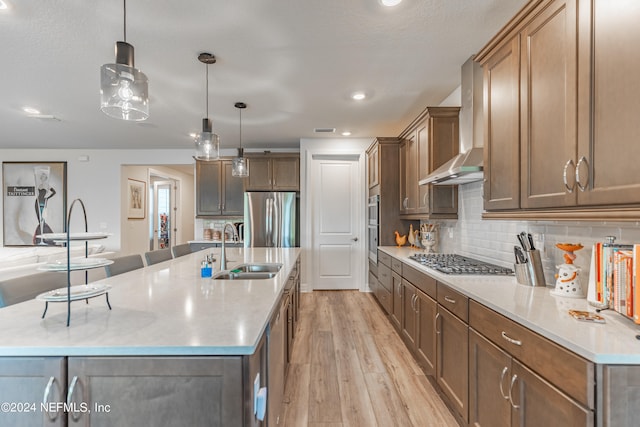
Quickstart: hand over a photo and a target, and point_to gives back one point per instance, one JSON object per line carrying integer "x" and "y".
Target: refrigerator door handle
{"x": 269, "y": 222}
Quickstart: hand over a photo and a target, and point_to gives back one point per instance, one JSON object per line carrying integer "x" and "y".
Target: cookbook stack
{"x": 614, "y": 280}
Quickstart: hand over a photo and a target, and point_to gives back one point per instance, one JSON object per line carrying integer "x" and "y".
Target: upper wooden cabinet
{"x": 560, "y": 105}
{"x": 430, "y": 141}
{"x": 273, "y": 173}
{"x": 218, "y": 193}
{"x": 373, "y": 166}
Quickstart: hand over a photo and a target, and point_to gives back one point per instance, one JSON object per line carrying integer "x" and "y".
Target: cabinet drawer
{"x": 569, "y": 372}
{"x": 384, "y": 298}
{"x": 384, "y": 259}
{"x": 396, "y": 265}
{"x": 373, "y": 268}
{"x": 420, "y": 280}
{"x": 453, "y": 301}
{"x": 384, "y": 276}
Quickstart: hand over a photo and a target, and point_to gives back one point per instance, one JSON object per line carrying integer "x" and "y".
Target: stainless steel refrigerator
{"x": 270, "y": 219}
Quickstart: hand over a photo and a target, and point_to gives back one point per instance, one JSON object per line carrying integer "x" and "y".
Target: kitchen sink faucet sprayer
{"x": 223, "y": 255}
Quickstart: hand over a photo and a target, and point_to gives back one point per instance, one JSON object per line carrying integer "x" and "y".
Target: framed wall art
{"x": 34, "y": 201}
{"x": 136, "y": 198}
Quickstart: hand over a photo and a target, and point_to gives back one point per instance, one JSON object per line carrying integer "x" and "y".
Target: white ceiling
{"x": 294, "y": 62}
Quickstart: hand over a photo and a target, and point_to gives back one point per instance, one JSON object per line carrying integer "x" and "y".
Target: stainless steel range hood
{"x": 467, "y": 166}
{"x": 464, "y": 168}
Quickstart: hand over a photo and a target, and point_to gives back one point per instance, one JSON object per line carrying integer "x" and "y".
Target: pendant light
{"x": 207, "y": 143}
{"x": 239, "y": 164}
{"x": 124, "y": 92}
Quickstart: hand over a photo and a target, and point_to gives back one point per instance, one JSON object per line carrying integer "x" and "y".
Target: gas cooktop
{"x": 458, "y": 264}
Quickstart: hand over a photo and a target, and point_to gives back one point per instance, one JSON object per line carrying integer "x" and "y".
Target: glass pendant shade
{"x": 239, "y": 165}
{"x": 207, "y": 143}
{"x": 124, "y": 91}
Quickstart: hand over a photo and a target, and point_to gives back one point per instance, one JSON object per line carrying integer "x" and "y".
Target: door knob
{"x": 355, "y": 239}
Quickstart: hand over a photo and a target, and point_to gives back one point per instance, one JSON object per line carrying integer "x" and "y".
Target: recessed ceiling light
{"x": 346, "y": 133}
{"x": 30, "y": 110}
{"x": 3, "y": 5}
{"x": 358, "y": 96}
{"x": 390, "y": 3}
{"x": 193, "y": 135}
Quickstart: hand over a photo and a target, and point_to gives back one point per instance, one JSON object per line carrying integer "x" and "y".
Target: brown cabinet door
{"x": 373, "y": 166}
{"x": 538, "y": 403}
{"x": 232, "y": 191}
{"x": 426, "y": 336}
{"x": 409, "y": 176}
{"x": 549, "y": 107}
{"x": 489, "y": 376}
{"x": 396, "y": 312}
{"x": 286, "y": 173}
{"x": 452, "y": 360}
{"x": 24, "y": 382}
{"x": 208, "y": 188}
{"x": 502, "y": 128}
{"x": 608, "y": 155}
{"x": 260, "y": 175}
{"x": 409, "y": 327}
{"x": 424, "y": 165}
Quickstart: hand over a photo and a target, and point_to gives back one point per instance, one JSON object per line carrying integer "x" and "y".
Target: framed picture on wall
{"x": 34, "y": 196}
{"x": 136, "y": 198}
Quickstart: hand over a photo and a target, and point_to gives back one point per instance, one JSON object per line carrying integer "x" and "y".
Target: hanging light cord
{"x": 125, "y": 21}
{"x": 240, "y": 127}
{"x": 207, "y": 92}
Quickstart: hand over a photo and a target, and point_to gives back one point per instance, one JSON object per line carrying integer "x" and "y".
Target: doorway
{"x": 337, "y": 211}
{"x": 163, "y": 213}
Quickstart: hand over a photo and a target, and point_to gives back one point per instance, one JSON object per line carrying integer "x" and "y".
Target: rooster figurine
{"x": 412, "y": 237}
{"x": 400, "y": 240}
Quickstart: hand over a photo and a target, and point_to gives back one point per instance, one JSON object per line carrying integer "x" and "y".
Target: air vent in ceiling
{"x": 324, "y": 130}
{"x": 44, "y": 117}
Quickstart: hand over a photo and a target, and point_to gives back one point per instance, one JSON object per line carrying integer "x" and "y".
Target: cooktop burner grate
{"x": 458, "y": 264}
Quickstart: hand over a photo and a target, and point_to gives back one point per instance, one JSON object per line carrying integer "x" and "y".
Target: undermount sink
{"x": 243, "y": 275}
{"x": 258, "y": 268}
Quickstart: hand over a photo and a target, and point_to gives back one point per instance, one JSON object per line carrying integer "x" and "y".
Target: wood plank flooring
{"x": 350, "y": 368}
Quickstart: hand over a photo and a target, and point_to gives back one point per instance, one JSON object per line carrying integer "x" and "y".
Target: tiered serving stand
{"x": 78, "y": 292}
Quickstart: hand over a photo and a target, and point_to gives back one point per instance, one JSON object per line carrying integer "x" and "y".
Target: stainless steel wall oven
{"x": 373, "y": 227}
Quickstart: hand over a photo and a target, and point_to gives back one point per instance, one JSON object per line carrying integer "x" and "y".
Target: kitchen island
{"x": 175, "y": 346}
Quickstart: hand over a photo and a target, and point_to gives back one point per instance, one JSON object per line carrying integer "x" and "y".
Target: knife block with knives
{"x": 528, "y": 265}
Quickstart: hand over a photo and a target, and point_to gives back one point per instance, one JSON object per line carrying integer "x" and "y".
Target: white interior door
{"x": 337, "y": 212}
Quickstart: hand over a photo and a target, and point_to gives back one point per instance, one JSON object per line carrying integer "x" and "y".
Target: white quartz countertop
{"x": 613, "y": 342}
{"x": 163, "y": 309}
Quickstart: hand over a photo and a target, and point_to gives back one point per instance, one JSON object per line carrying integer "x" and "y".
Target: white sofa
{"x": 23, "y": 261}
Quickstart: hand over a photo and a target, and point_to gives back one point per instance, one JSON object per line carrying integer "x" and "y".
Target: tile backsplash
{"x": 215, "y": 224}
{"x": 493, "y": 240}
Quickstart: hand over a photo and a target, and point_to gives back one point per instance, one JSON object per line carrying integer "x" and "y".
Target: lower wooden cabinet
{"x": 409, "y": 315}
{"x": 155, "y": 391}
{"x": 426, "y": 353}
{"x": 28, "y": 382}
{"x": 535, "y": 402}
{"x": 396, "y": 312}
{"x": 452, "y": 369}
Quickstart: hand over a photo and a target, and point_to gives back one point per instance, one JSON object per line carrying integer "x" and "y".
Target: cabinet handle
{"x": 435, "y": 323}
{"x": 584, "y": 160}
{"x": 511, "y": 340}
{"x": 504, "y": 372}
{"x": 513, "y": 381}
{"x": 45, "y": 399}
{"x": 449, "y": 300}
{"x": 72, "y": 388}
{"x": 399, "y": 292}
{"x": 564, "y": 176}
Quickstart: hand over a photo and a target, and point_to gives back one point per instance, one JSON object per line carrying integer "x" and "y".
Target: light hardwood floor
{"x": 350, "y": 368}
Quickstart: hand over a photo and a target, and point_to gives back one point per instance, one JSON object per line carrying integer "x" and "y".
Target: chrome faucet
{"x": 223, "y": 255}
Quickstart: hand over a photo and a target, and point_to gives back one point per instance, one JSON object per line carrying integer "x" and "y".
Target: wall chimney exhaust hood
{"x": 463, "y": 168}
{"x": 467, "y": 166}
